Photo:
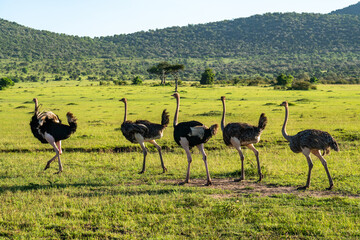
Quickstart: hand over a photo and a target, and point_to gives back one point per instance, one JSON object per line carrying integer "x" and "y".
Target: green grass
{"x": 100, "y": 195}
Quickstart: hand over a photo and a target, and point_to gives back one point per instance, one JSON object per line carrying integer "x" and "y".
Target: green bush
{"x": 314, "y": 80}
{"x": 207, "y": 77}
{"x": 137, "y": 81}
{"x": 284, "y": 80}
{"x": 302, "y": 85}
{"x": 5, "y": 82}
{"x": 119, "y": 82}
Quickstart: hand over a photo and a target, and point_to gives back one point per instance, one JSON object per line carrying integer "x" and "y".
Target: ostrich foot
{"x": 58, "y": 172}
{"x": 47, "y": 166}
{"x": 331, "y": 187}
{"x": 142, "y": 171}
{"x": 184, "y": 182}
{"x": 208, "y": 183}
{"x": 164, "y": 169}
{"x": 302, "y": 188}
{"x": 260, "y": 178}
{"x": 239, "y": 179}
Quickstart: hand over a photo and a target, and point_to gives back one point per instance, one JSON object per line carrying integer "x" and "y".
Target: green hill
{"x": 21, "y": 42}
{"x": 353, "y": 9}
{"x": 260, "y": 34}
{"x": 325, "y": 45}
{"x": 268, "y": 34}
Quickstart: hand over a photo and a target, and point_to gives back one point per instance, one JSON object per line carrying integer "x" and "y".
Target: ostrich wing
{"x": 246, "y": 133}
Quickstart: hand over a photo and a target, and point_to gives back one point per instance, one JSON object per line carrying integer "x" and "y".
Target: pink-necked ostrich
{"x": 142, "y": 131}
{"x": 190, "y": 134}
{"x": 310, "y": 141}
{"x": 47, "y": 127}
{"x": 243, "y": 134}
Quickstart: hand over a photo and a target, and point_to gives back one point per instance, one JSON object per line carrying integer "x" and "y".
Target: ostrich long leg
{"x": 54, "y": 144}
{"x": 324, "y": 163}
{"x": 202, "y": 150}
{"x": 159, "y": 150}
{"x": 60, "y": 165}
{"x": 142, "y": 145}
{"x": 185, "y": 145}
{"x": 236, "y": 144}
{"x": 50, "y": 161}
{"x": 256, "y": 152}
{"x": 58, "y": 144}
{"x": 306, "y": 152}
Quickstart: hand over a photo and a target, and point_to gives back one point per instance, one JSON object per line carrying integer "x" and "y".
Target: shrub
{"x": 314, "y": 80}
{"x": 5, "y": 82}
{"x": 119, "y": 82}
{"x": 137, "y": 81}
{"x": 284, "y": 80}
{"x": 302, "y": 85}
{"x": 207, "y": 77}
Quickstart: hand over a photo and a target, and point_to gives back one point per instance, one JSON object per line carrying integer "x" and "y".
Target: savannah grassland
{"x": 100, "y": 194}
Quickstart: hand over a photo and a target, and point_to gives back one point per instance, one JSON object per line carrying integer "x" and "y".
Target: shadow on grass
{"x": 118, "y": 149}
{"x": 121, "y": 149}
{"x": 97, "y": 190}
{"x": 34, "y": 186}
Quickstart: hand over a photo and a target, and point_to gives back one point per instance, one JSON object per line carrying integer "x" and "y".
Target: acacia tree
{"x": 174, "y": 70}
{"x": 161, "y": 69}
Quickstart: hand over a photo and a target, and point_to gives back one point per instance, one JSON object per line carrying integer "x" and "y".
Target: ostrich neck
{"x": 223, "y": 116}
{"x": 125, "y": 113}
{"x": 177, "y": 111}
{"x": 36, "y": 107}
{"x": 286, "y": 136}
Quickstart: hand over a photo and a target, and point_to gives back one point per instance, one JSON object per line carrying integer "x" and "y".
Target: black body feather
{"x": 183, "y": 129}
{"x": 146, "y": 129}
{"x": 313, "y": 139}
{"x": 246, "y": 133}
{"x": 41, "y": 124}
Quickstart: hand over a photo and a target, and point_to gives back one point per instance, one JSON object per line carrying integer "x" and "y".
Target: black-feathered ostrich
{"x": 47, "y": 127}
{"x": 142, "y": 131}
{"x": 243, "y": 134}
{"x": 190, "y": 134}
{"x": 310, "y": 141}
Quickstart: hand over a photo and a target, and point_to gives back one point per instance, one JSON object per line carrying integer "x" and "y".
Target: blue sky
{"x": 109, "y": 17}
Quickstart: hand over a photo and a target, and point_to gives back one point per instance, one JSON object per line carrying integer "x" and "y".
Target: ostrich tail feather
{"x": 165, "y": 118}
{"x": 262, "y": 121}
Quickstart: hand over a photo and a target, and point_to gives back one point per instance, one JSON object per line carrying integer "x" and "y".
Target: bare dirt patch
{"x": 253, "y": 188}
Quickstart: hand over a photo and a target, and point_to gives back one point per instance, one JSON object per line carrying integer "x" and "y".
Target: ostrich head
{"x": 176, "y": 95}
{"x": 123, "y": 100}
{"x": 222, "y": 98}
{"x": 36, "y": 105}
{"x": 214, "y": 129}
{"x": 284, "y": 104}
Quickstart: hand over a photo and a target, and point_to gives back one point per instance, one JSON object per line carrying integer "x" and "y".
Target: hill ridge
{"x": 271, "y": 33}
{"x": 352, "y": 9}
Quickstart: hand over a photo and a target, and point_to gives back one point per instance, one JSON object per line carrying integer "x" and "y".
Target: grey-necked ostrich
{"x": 47, "y": 127}
{"x": 142, "y": 131}
{"x": 243, "y": 134}
{"x": 310, "y": 141}
{"x": 190, "y": 134}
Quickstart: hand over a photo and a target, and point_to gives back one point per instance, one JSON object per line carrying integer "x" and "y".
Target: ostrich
{"x": 142, "y": 131}
{"x": 310, "y": 141}
{"x": 47, "y": 127}
{"x": 243, "y": 134}
{"x": 190, "y": 134}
